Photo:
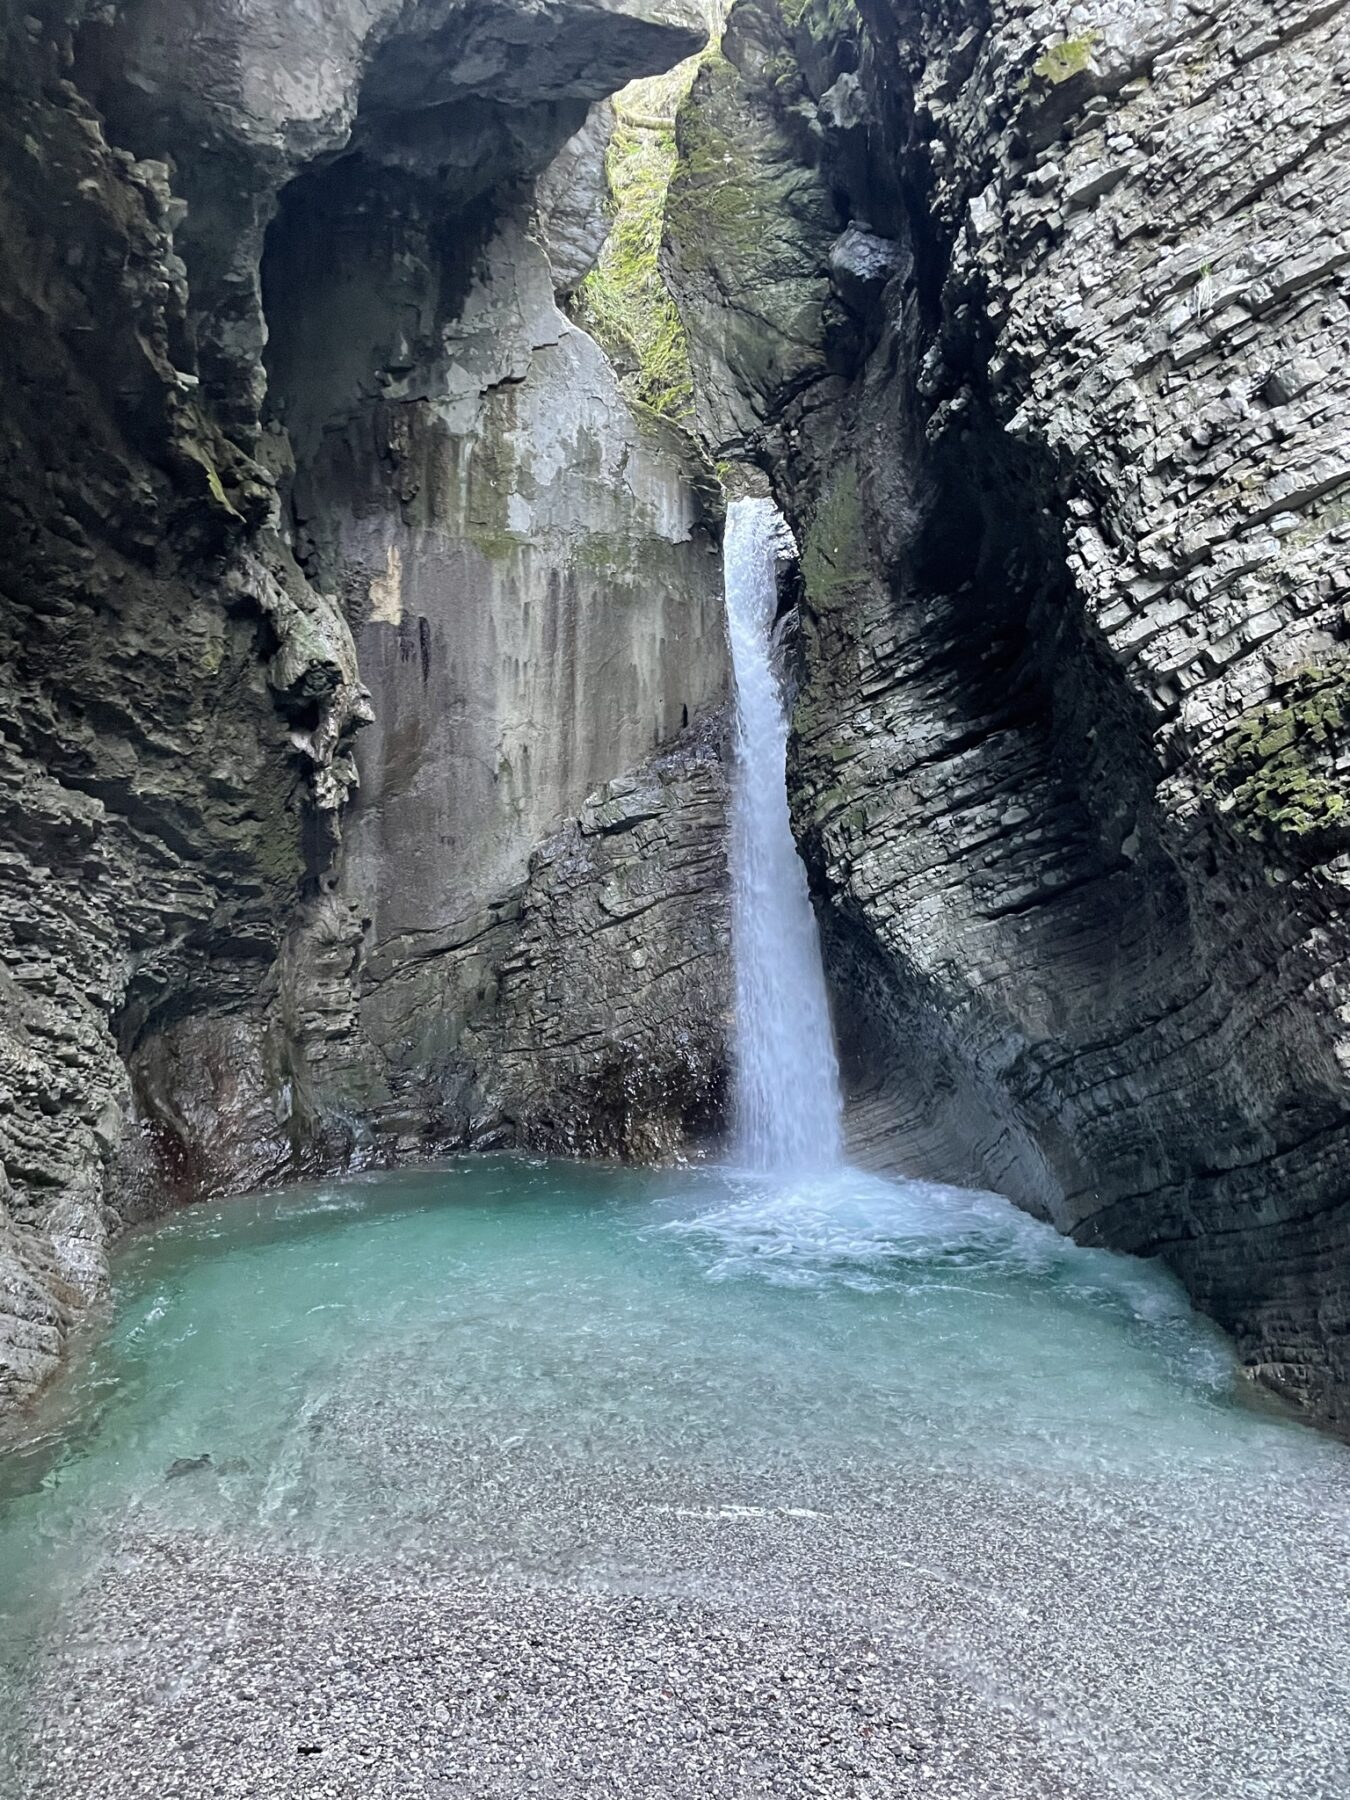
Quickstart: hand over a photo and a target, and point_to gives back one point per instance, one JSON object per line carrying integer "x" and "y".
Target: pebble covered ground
{"x": 1018, "y": 1639}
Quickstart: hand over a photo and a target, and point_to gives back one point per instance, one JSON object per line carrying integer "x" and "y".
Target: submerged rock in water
{"x": 188, "y": 1465}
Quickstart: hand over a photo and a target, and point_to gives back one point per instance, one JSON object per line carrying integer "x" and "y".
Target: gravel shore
{"x": 1014, "y": 1640}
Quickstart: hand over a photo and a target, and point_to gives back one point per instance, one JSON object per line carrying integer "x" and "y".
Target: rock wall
{"x": 536, "y": 597}
{"x": 204, "y": 982}
{"x": 176, "y": 705}
{"x": 1037, "y": 318}
{"x": 608, "y": 1035}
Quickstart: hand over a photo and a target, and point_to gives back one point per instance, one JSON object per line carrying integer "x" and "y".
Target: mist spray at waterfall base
{"x": 793, "y": 1200}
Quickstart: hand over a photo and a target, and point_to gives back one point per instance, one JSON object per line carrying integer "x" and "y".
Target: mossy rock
{"x": 1062, "y": 61}
{"x": 496, "y": 546}
{"x": 624, "y": 302}
{"x": 1278, "y": 776}
{"x": 834, "y": 555}
{"x": 711, "y": 199}
{"x": 603, "y": 551}
{"x": 822, "y": 16}
{"x": 732, "y": 207}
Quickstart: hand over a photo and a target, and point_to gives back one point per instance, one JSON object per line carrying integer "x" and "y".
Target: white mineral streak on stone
{"x": 386, "y": 590}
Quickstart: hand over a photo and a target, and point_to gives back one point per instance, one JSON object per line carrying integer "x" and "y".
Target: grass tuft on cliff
{"x": 1060, "y": 62}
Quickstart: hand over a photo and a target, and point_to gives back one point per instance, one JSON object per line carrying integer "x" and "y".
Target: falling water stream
{"x": 787, "y": 1077}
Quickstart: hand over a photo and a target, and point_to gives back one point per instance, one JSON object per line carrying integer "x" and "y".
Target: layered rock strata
{"x": 1038, "y": 316}
{"x": 177, "y": 703}
{"x": 197, "y": 972}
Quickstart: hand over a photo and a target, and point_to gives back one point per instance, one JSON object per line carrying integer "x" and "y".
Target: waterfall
{"x": 787, "y": 1079}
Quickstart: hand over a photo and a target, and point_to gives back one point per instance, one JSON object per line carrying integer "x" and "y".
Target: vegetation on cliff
{"x": 624, "y": 302}
{"x": 1277, "y": 774}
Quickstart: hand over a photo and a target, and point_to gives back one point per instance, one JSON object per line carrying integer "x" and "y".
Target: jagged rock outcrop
{"x": 608, "y": 1032}
{"x": 1036, "y": 316}
{"x": 572, "y": 202}
{"x": 189, "y": 949}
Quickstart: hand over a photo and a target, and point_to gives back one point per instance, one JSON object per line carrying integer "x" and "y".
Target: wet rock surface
{"x": 177, "y": 704}
{"x": 182, "y": 687}
{"x": 536, "y": 597}
{"x": 1041, "y": 356}
{"x": 611, "y": 1020}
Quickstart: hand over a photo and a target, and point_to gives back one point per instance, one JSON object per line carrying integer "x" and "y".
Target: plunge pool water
{"x": 603, "y": 1377}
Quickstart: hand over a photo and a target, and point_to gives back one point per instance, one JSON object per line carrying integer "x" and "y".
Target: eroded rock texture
{"x": 609, "y": 1032}
{"x": 217, "y": 551}
{"x": 537, "y": 605}
{"x": 1038, "y": 318}
{"x": 176, "y": 704}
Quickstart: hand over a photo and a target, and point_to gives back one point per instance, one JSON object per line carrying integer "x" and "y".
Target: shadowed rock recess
{"x": 1037, "y": 317}
{"x": 294, "y": 440}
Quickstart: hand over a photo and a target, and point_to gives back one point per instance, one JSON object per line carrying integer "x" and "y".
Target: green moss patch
{"x": 1275, "y": 775}
{"x": 496, "y": 546}
{"x": 1069, "y": 57}
{"x": 623, "y": 302}
{"x": 821, "y": 16}
{"x": 603, "y": 551}
{"x": 834, "y": 556}
{"x": 712, "y": 206}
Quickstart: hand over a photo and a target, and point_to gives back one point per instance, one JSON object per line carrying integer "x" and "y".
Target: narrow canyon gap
{"x": 673, "y": 748}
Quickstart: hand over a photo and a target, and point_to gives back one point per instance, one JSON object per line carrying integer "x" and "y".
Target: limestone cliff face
{"x": 1037, "y": 318}
{"x": 536, "y": 597}
{"x": 176, "y": 704}
{"x": 294, "y": 441}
